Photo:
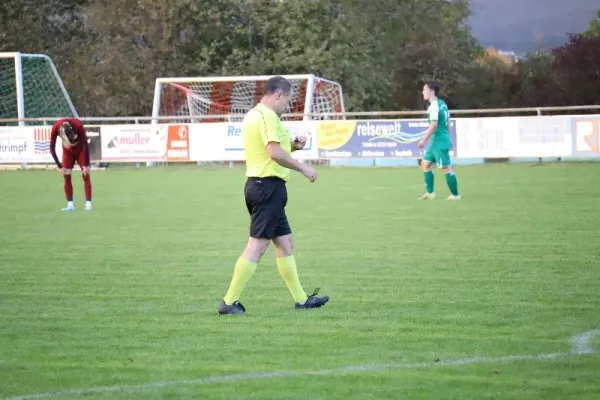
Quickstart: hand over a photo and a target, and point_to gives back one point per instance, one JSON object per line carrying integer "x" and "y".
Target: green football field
{"x": 496, "y": 296}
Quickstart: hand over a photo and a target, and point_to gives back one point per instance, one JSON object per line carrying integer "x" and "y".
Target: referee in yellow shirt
{"x": 268, "y": 146}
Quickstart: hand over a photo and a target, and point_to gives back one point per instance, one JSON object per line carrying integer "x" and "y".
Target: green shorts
{"x": 438, "y": 155}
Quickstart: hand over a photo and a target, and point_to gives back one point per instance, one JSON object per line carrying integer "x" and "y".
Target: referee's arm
{"x": 271, "y": 139}
{"x": 283, "y": 158}
{"x": 268, "y": 131}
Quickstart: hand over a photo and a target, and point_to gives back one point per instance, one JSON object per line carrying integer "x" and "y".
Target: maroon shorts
{"x": 69, "y": 157}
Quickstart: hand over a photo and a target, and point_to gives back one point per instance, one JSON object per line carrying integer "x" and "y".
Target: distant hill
{"x": 524, "y": 25}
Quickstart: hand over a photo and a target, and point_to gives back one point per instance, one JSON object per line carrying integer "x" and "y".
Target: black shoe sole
{"x": 231, "y": 310}
{"x": 319, "y": 306}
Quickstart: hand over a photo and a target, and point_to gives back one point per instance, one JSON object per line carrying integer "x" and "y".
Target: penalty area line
{"x": 580, "y": 345}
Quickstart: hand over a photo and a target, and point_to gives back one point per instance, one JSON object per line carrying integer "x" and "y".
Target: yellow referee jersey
{"x": 262, "y": 125}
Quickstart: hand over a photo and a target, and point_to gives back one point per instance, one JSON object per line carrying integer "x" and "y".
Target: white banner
{"x": 27, "y": 144}
{"x": 544, "y": 137}
{"x": 586, "y": 131}
{"x": 15, "y": 145}
{"x": 41, "y": 144}
{"x": 489, "y": 137}
{"x": 223, "y": 141}
{"x": 134, "y": 142}
{"x": 504, "y": 137}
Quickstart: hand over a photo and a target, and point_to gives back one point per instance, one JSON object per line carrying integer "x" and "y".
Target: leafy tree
{"x": 492, "y": 83}
{"x": 594, "y": 28}
{"x": 38, "y": 25}
{"x": 109, "y": 56}
{"x": 576, "y": 70}
{"x": 535, "y": 81}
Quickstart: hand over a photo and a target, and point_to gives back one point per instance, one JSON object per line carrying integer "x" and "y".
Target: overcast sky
{"x": 518, "y": 24}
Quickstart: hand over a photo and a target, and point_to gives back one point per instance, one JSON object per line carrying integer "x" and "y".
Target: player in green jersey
{"x": 438, "y": 151}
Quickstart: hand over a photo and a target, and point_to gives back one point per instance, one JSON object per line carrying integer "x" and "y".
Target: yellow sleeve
{"x": 268, "y": 127}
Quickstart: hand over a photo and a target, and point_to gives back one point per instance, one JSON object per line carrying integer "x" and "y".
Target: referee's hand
{"x": 299, "y": 142}
{"x": 309, "y": 172}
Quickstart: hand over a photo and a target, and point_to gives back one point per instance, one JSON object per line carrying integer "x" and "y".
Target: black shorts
{"x": 266, "y": 199}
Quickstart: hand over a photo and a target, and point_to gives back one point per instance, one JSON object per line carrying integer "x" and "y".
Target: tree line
{"x": 109, "y": 53}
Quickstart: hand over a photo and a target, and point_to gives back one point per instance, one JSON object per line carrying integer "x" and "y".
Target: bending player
{"x": 438, "y": 151}
{"x": 75, "y": 149}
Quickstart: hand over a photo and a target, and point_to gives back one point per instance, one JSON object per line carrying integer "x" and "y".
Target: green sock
{"x": 241, "y": 275}
{"x": 429, "y": 181}
{"x": 452, "y": 183}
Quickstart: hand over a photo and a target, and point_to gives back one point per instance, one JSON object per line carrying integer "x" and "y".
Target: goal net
{"x": 227, "y": 99}
{"x": 30, "y": 87}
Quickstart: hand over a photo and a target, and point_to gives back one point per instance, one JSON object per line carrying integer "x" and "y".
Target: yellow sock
{"x": 241, "y": 275}
{"x": 287, "y": 269}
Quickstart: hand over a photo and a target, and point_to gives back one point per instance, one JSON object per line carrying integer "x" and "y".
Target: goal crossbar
{"x": 240, "y": 78}
{"x": 19, "y": 86}
{"x": 196, "y": 98}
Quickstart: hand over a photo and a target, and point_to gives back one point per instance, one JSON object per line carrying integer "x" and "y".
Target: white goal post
{"x": 30, "y": 87}
{"x": 228, "y": 98}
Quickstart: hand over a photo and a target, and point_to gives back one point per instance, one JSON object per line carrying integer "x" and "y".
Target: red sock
{"x": 87, "y": 187}
{"x": 68, "y": 187}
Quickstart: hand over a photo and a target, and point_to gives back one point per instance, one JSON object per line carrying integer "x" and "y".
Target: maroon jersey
{"x": 73, "y": 145}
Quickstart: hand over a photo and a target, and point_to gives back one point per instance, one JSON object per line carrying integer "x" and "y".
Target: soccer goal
{"x": 228, "y": 98}
{"x": 30, "y": 87}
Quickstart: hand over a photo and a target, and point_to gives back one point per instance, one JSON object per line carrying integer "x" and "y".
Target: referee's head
{"x": 277, "y": 94}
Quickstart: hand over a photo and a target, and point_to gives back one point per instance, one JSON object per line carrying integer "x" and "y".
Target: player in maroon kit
{"x": 75, "y": 149}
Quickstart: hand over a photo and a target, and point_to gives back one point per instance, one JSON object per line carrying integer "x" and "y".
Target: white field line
{"x": 580, "y": 345}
